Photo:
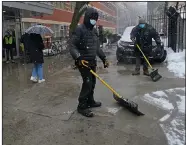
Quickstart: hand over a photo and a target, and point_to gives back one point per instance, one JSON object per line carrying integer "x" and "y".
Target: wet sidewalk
{"x": 45, "y": 114}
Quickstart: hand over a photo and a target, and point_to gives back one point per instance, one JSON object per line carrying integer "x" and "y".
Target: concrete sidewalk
{"x": 45, "y": 114}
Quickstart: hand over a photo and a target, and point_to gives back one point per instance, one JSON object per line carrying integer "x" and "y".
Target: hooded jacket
{"x": 35, "y": 48}
{"x": 144, "y": 37}
{"x": 84, "y": 41}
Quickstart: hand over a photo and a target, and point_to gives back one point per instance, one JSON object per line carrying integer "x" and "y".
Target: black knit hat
{"x": 142, "y": 21}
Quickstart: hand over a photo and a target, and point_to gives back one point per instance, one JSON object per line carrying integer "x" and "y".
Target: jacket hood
{"x": 90, "y": 13}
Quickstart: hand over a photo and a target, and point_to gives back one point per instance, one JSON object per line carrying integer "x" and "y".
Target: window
{"x": 73, "y": 5}
{"x": 56, "y": 30}
{"x": 67, "y": 5}
{"x": 62, "y": 5}
{"x": 54, "y": 3}
{"x": 26, "y": 25}
{"x": 63, "y": 32}
{"x": 58, "y": 5}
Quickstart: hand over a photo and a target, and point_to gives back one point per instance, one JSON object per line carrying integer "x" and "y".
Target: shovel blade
{"x": 155, "y": 76}
{"x": 130, "y": 105}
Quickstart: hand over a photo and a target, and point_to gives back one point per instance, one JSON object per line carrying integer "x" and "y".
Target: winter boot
{"x": 93, "y": 103}
{"x": 12, "y": 61}
{"x": 83, "y": 110}
{"x": 146, "y": 72}
{"x": 136, "y": 72}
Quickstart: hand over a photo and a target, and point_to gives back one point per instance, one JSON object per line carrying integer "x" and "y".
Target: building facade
{"x": 12, "y": 13}
{"x": 61, "y": 18}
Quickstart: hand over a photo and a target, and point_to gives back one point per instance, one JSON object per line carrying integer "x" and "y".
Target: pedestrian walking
{"x": 142, "y": 35}
{"x": 36, "y": 47}
{"x": 84, "y": 45}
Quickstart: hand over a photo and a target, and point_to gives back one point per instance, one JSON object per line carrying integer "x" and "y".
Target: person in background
{"x": 8, "y": 44}
{"x": 142, "y": 35}
{"x": 84, "y": 45}
{"x": 36, "y": 47}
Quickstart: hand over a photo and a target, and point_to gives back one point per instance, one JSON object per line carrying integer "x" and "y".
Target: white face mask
{"x": 92, "y": 21}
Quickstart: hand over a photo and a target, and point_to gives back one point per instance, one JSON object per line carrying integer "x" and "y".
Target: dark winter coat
{"x": 84, "y": 41}
{"x": 36, "y": 47}
{"x": 25, "y": 40}
{"x": 144, "y": 37}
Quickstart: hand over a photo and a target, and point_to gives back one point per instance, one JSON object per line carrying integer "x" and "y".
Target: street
{"x": 45, "y": 114}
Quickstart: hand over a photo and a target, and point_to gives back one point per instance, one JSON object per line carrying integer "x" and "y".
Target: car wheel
{"x": 119, "y": 58}
{"x": 163, "y": 58}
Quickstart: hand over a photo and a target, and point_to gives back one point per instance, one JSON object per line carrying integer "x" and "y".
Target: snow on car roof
{"x": 126, "y": 34}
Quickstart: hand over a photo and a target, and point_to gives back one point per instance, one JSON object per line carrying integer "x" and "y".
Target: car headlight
{"x": 122, "y": 44}
{"x": 119, "y": 44}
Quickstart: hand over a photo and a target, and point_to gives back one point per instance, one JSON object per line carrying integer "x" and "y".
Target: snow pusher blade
{"x": 155, "y": 76}
{"x": 131, "y": 106}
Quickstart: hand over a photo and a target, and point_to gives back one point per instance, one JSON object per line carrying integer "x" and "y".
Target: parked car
{"x": 125, "y": 49}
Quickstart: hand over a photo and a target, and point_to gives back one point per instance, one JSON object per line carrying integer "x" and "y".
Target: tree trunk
{"x": 177, "y": 4}
{"x": 78, "y": 12}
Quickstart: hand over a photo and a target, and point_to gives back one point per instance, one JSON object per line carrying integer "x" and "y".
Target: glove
{"x": 105, "y": 63}
{"x": 78, "y": 62}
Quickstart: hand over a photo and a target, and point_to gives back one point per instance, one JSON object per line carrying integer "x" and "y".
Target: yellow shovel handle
{"x": 96, "y": 75}
{"x": 144, "y": 56}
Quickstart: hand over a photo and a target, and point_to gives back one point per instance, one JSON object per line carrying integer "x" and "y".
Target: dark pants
{"x": 9, "y": 51}
{"x": 138, "y": 62}
{"x": 87, "y": 90}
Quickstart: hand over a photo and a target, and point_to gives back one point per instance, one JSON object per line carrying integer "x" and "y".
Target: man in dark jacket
{"x": 142, "y": 35}
{"x": 84, "y": 45}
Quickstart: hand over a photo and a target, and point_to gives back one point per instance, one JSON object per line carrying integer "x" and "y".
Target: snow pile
{"x": 113, "y": 110}
{"x": 175, "y": 132}
{"x": 126, "y": 34}
{"x": 181, "y": 103}
{"x": 176, "y": 63}
{"x": 160, "y": 93}
{"x": 159, "y": 102}
{"x": 175, "y": 128}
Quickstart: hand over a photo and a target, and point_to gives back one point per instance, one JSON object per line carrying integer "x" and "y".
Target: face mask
{"x": 141, "y": 25}
{"x": 92, "y": 21}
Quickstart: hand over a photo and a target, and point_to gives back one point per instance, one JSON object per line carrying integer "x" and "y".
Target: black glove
{"x": 105, "y": 63}
{"x": 78, "y": 62}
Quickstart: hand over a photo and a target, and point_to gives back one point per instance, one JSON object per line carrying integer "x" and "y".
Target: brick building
{"x": 12, "y": 14}
{"x": 61, "y": 18}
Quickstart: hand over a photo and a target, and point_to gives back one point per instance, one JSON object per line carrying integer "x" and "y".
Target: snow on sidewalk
{"x": 175, "y": 129}
{"x": 176, "y": 62}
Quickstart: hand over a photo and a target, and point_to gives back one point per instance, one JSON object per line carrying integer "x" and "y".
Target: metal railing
{"x": 172, "y": 30}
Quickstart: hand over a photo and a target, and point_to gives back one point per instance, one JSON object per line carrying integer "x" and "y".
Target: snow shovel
{"x": 155, "y": 76}
{"x": 130, "y": 105}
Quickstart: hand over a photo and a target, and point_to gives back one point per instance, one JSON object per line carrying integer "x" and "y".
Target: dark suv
{"x": 125, "y": 49}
